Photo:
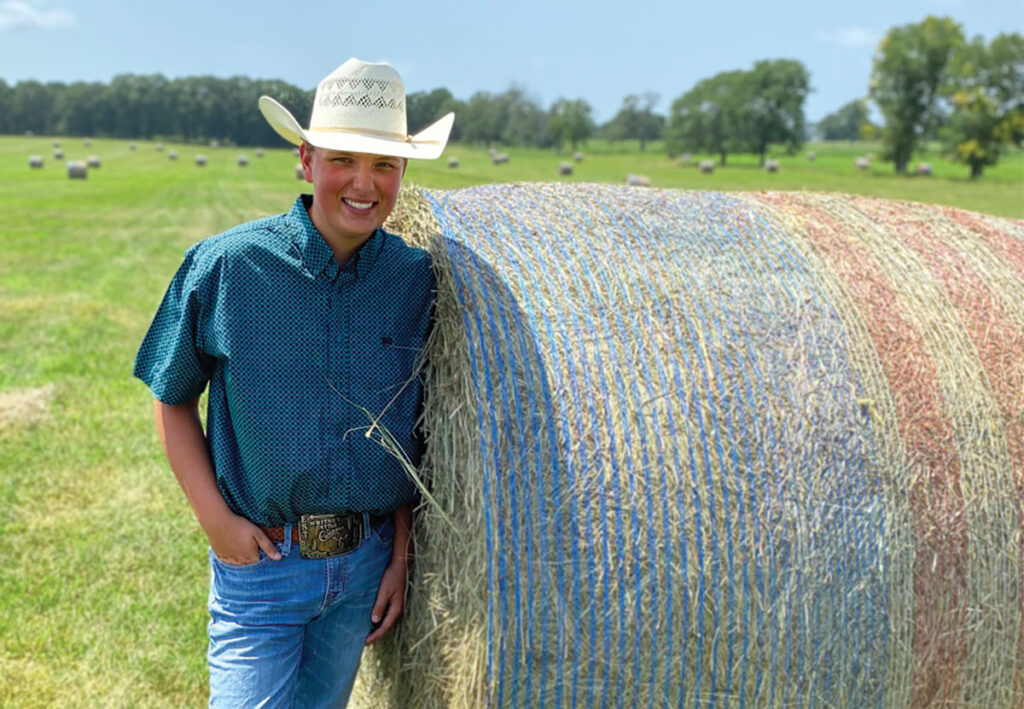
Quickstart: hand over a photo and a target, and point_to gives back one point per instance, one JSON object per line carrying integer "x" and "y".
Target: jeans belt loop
{"x": 366, "y": 525}
{"x": 286, "y": 545}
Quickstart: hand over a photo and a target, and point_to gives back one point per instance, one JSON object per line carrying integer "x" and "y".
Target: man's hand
{"x": 390, "y": 600}
{"x": 237, "y": 541}
{"x": 391, "y": 594}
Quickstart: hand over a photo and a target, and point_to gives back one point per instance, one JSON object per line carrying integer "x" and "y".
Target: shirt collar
{"x": 317, "y": 255}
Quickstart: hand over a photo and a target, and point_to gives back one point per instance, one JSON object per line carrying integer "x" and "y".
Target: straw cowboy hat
{"x": 360, "y": 107}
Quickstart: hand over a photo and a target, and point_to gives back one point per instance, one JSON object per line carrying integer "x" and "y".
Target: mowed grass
{"x": 103, "y": 590}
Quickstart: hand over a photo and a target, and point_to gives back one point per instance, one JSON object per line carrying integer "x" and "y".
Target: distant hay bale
{"x": 811, "y": 155}
{"x": 638, "y": 180}
{"x": 214, "y": 144}
{"x": 706, "y": 166}
{"x": 78, "y": 169}
{"x": 159, "y": 147}
{"x": 131, "y": 146}
{"x": 56, "y": 143}
{"x": 295, "y": 152}
{"x": 201, "y": 160}
{"x": 577, "y": 157}
{"x": 172, "y": 154}
{"x": 499, "y": 158}
{"x": 771, "y": 165}
{"x": 299, "y": 173}
{"x": 453, "y": 162}
{"x": 87, "y": 143}
{"x": 766, "y": 448}
{"x": 58, "y": 154}
{"x": 924, "y": 169}
{"x": 242, "y": 160}
{"x": 259, "y": 152}
{"x": 93, "y": 161}
{"x": 565, "y": 168}
{"x": 686, "y": 158}
{"x": 35, "y": 161}
{"x": 862, "y": 163}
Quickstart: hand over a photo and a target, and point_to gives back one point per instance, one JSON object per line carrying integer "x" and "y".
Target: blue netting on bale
{"x": 665, "y": 462}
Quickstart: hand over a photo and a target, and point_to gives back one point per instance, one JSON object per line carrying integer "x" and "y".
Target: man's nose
{"x": 363, "y": 179}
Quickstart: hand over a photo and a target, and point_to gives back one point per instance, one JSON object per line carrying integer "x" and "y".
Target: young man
{"x": 306, "y": 327}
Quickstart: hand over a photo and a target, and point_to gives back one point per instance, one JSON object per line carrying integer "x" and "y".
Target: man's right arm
{"x": 234, "y": 539}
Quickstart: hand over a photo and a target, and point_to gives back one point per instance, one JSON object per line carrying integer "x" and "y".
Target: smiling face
{"x": 353, "y": 193}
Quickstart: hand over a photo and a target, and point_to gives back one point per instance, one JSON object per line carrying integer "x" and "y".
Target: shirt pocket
{"x": 386, "y": 379}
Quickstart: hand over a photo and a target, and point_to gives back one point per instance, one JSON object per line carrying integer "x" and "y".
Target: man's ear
{"x": 306, "y": 157}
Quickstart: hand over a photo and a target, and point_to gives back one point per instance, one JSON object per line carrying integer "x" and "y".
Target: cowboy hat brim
{"x": 426, "y": 145}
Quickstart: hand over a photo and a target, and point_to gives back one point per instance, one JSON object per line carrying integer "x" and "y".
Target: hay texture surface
{"x": 691, "y": 448}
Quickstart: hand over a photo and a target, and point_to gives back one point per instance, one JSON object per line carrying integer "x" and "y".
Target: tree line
{"x": 928, "y": 82}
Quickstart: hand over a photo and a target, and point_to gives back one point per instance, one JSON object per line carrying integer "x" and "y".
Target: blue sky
{"x": 597, "y": 50}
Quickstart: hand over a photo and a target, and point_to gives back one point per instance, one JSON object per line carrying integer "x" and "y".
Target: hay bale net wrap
{"x": 691, "y": 447}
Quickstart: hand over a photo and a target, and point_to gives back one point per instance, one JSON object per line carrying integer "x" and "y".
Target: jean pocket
{"x": 384, "y": 533}
{"x": 262, "y": 561}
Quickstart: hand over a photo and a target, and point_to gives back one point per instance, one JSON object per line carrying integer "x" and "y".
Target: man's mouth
{"x": 357, "y": 205}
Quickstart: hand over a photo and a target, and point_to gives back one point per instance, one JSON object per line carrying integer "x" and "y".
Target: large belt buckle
{"x": 324, "y": 536}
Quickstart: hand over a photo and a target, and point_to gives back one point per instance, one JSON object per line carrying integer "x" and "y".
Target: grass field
{"x": 102, "y": 595}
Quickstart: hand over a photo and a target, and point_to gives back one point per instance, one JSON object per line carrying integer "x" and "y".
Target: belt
{"x": 324, "y": 536}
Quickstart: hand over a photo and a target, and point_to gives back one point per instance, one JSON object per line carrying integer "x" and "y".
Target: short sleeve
{"x": 170, "y": 360}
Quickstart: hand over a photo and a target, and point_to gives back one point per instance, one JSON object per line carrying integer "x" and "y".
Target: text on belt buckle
{"x": 324, "y": 536}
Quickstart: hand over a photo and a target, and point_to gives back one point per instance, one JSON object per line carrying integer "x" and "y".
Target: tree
{"x": 636, "y": 120}
{"x": 570, "y": 121}
{"x": 774, "y": 112}
{"x": 985, "y": 88}
{"x": 422, "y": 108}
{"x": 906, "y": 75}
{"x": 848, "y": 123}
{"x": 708, "y": 117}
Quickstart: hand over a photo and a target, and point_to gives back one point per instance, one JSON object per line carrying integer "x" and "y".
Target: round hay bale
{"x": 686, "y": 158}
{"x": 93, "y": 161}
{"x": 35, "y": 161}
{"x": 924, "y": 169}
{"x": 577, "y": 157}
{"x": 214, "y": 144}
{"x": 764, "y": 447}
{"x": 295, "y": 152}
{"x": 159, "y": 147}
{"x": 565, "y": 168}
{"x": 771, "y": 165}
{"x": 499, "y": 158}
{"x": 259, "y": 152}
{"x": 56, "y": 143}
{"x": 862, "y": 163}
{"x": 706, "y": 166}
{"x": 87, "y": 143}
{"x": 78, "y": 169}
{"x": 131, "y": 147}
{"x": 453, "y": 163}
{"x": 58, "y": 154}
{"x": 812, "y": 156}
{"x": 242, "y": 160}
{"x": 299, "y": 173}
{"x": 201, "y": 160}
{"x": 172, "y": 154}
{"x": 638, "y": 180}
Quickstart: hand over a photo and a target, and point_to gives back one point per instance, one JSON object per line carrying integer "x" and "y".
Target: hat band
{"x": 370, "y": 131}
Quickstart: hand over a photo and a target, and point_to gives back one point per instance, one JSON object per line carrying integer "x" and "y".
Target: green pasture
{"x": 102, "y": 594}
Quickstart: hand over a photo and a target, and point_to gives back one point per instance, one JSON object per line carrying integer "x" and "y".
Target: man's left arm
{"x": 391, "y": 594}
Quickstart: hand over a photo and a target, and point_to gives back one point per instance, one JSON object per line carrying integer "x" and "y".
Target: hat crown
{"x": 360, "y": 95}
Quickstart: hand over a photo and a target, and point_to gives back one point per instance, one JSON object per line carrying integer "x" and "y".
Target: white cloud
{"x": 16, "y": 15}
{"x": 849, "y": 37}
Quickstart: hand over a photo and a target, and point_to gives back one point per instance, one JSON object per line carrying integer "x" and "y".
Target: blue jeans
{"x": 290, "y": 633}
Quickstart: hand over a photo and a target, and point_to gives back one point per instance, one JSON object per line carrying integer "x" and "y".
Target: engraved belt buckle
{"x": 324, "y": 536}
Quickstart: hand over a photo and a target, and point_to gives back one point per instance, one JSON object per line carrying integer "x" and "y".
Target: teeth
{"x": 358, "y": 205}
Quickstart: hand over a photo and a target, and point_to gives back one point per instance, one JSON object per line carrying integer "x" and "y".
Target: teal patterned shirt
{"x": 300, "y": 357}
